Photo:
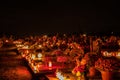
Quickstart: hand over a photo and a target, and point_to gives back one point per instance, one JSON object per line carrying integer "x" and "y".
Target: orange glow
{"x": 23, "y": 55}
{"x": 27, "y": 51}
{"x": 6, "y": 40}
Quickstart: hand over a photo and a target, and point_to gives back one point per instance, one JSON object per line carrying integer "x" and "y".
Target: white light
{"x": 59, "y": 76}
{"x": 50, "y": 64}
{"x": 39, "y": 55}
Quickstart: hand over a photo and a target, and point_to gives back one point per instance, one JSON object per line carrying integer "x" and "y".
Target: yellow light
{"x": 118, "y": 54}
{"x": 35, "y": 68}
{"x": 33, "y": 56}
{"x": 78, "y": 74}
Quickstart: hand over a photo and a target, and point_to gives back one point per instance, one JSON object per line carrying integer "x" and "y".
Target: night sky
{"x": 58, "y": 16}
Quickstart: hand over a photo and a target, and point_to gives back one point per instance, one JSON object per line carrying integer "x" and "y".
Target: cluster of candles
{"x": 109, "y": 54}
{"x": 31, "y": 56}
{"x": 40, "y": 62}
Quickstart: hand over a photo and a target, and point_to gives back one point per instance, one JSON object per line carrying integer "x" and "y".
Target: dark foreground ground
{"x": 12, "y": 67}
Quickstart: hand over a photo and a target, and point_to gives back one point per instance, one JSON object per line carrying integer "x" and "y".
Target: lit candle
{"x": 33, "y": 56}
{"x": 35, "y": 68}
{"x": 40, "y": 46}
{"x": 118, "y": 54}
{"x": 27, "y": 51}
{"x": 50, "y": 64}
{"x": 23, "y": 55}
{"x": 32, "y": 64}
{"x": 38, "y": 65}
{"x": 6, "y": 40}
{"x": 29, "y": 61}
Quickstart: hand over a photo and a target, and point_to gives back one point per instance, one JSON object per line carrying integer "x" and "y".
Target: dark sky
{"x": 58, "y": 16}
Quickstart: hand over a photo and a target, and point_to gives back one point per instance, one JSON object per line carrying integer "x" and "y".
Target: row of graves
{"x": 72, "y": 63}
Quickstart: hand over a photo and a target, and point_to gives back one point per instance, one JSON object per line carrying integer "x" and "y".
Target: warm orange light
{"x": 32, "y": 64}
{"x": 118, "y": 54}
{"x": 6, "y": 41}
{"x": 23, "y": 55}
{"x": 27, "y": 51}
{"x": 35, "y": 69}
